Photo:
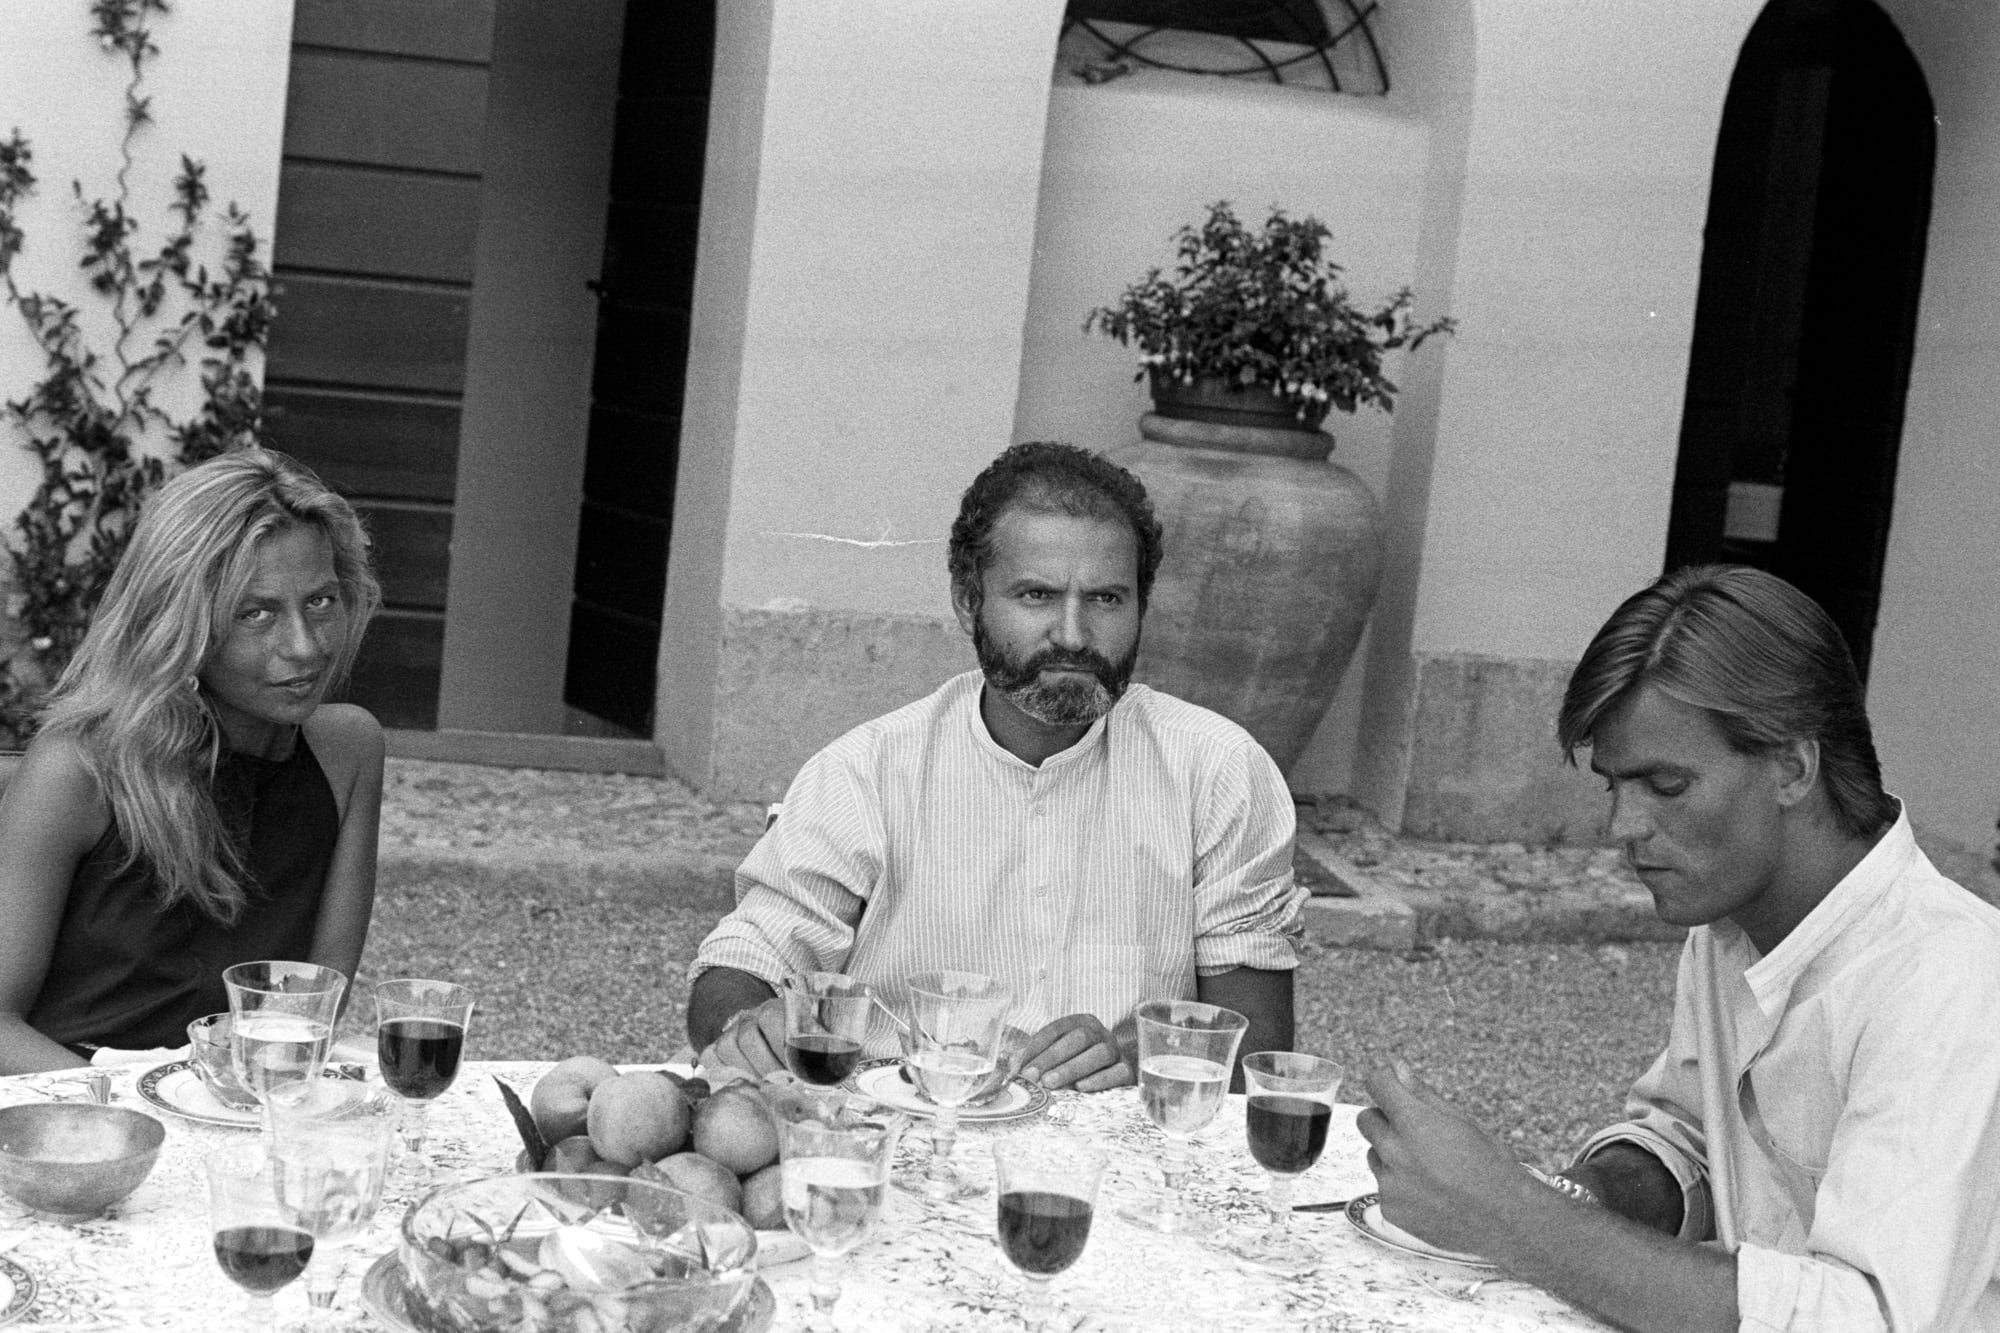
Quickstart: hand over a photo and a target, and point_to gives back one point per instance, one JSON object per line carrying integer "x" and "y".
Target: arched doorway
{"x": 1806, "y": 318}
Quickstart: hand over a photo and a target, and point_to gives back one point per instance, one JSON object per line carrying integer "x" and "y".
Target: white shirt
{"x": 1832, "y": 1110}
{"x": 1158, "y": 846}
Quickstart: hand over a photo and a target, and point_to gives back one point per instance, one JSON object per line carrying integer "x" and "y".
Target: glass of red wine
{"x": 419, "y": 1038}
{"x": 1289, "y": 1107}
{"x": 1047, "y": 1186}
{"x": 826, "y": 1022}
{"x": 258, "y": 1240}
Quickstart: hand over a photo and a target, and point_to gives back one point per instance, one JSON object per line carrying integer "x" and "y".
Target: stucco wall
{"x": 1931, "y": 687}
{"x": 1575, "y": 149}
{"x": 217, "y": 94}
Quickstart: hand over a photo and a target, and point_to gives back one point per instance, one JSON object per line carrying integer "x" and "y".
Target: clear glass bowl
{"x": 572, "y": 1253}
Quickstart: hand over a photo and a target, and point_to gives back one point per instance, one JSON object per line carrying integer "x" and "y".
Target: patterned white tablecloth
{"x": 148, "y": 1263}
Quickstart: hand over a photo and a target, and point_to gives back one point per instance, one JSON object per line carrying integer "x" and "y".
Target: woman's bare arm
{"x": 348, "y": 742}
{"x": 50, "y": 817}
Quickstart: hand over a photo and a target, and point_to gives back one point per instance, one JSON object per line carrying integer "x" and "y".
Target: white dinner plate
{"x": 17, "y": 1291}
{"x": 883, "y": 1080}
{"x": 175, "y": 1088}
{"x": 1366, "y": 1215}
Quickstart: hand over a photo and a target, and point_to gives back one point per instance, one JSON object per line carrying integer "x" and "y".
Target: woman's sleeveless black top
{"x": 127, "y": 973}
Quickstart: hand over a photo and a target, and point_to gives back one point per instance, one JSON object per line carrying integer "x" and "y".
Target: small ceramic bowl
{"x": 208, "y": 1052}
{"x": 69, "y": 1161}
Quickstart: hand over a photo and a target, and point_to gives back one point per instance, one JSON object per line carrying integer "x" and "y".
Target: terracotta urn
{"x": 1273, "y": 557}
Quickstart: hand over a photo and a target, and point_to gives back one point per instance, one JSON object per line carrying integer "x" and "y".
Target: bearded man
{"x": 1091, "y": 843}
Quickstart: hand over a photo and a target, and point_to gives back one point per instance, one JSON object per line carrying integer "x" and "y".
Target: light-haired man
{"x": 1091, "y": 843}
{"x": 1819, "y": 1145}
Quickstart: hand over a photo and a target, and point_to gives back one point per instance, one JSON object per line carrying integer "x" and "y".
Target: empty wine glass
{"x": 836, "y": 1151}
{"x": 956, "y": 1021}
{"x": 329, "y": 1157}
{"x": 1047, "y": 1186}
{"x": 259, "y": 1242}
{"x": 1186, "y": 1050}
{"x": 1285, "y": 1120}
{"x": 281, "y": 1025}
{"x": 826, "y": 1021}
{"x": 419, "y": 1038}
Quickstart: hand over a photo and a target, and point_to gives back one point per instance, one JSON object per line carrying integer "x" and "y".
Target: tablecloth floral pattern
{"x": 931, "y": 1267}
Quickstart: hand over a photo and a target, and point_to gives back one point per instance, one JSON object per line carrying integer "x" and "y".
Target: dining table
{"x": 147, "y": 1262}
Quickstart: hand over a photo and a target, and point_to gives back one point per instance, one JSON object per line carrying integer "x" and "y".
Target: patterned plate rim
{"x": 1357, "y": 1213}
{"x": 1038, "y": 1097}
{"x": 25, "y": 1289}
{"x": 149, "y": 1090}
{"x": 382, "y": 1296}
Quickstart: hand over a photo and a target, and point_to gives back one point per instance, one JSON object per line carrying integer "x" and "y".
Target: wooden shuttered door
{"x": 378, "y": 209}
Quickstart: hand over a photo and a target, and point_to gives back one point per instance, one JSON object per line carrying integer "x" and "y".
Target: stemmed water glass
{"x": 259, "y": 1242}
{"x": 329, "y": 1157}
{"x": 1047, "y": 1187}
{"x": 1186, "y": 1050}
{"x": 953, "y": 1043}
{"x": 836, "y": 1151}
{"x": 419, "y": 1038}
{"x": 281, "y": 1026}
{"x": 826, "y": 1021}
{"x": 1285, "y": 1119}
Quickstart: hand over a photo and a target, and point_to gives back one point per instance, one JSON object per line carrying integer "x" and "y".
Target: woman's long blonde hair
{"x": 129, "y": 698}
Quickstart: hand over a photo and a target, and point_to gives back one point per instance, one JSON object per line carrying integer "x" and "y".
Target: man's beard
{"x": 1068, "y": 701}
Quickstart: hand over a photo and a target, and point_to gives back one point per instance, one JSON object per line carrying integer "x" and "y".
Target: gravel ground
{"x": 572, "y": 905}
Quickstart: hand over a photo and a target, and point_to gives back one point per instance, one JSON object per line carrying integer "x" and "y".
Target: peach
{"x": 636, "y": 1118}
{"x": 560, "y": 1099}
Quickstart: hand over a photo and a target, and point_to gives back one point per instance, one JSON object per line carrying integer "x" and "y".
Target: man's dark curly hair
{"x": 1048, "y": 478}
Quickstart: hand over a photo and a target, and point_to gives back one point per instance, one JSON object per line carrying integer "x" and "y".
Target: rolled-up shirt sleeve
{"x": 1246, "y": 899}
{"x": 801, "y": 891}
{"x": 1662, "y": 1119}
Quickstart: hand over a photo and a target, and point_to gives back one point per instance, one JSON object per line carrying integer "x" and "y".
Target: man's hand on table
{"x": 1440, "y": 1175}
{"x": 1076, "y": 1051}
{"x": 753, "y": 1040}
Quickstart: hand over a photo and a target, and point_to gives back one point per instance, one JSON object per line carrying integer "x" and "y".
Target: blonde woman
{"x": 190, "y": 802}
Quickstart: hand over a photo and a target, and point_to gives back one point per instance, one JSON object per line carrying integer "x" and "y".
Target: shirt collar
{"x": 1772, "y": 977}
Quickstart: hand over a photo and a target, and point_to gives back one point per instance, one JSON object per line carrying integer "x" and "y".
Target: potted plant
{"x": 1256, "y": 327}
{"x": 1274, "y": 552}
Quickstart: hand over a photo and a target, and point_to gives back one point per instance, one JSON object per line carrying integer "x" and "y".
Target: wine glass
{"x": 1290, "y": 1106}
{"x": 419, "y": 1038}
{"x": 826, "y": 1021}
{"x": 836, "y": 1151}
{"x": 258, "y": 1241}
{"x": 1047, "y": 1186}
{"x": 329, "y": 1156}
{"x": 953, "y": 1043}
{"x": 280, "y": 1027}
{"x": 1186, "y": 1050}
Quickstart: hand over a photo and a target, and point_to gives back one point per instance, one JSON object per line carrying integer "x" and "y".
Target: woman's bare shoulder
{"x": 54, "y": 778}
{"x": 348, "y": 741}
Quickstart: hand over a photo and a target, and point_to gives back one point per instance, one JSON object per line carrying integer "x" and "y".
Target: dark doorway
{"x": 1806, "y": 319}
{"x": 646, "y": 293}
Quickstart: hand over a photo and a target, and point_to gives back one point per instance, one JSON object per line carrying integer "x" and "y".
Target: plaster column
{"x": 867, "y": 235}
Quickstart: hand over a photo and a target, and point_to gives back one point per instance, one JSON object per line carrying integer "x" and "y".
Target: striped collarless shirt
{"x": 1157, "y": 847}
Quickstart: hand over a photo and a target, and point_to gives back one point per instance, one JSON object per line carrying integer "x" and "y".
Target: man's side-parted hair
{"x": 128, "y": 698}
{"x": 1048, "y": 478}
{"x": 1759, "y": 656}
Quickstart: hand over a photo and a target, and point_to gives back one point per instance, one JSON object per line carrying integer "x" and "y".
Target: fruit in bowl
{"x": 573, "y": 1254}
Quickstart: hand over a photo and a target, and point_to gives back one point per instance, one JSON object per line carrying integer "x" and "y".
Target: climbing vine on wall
{"x": 97, "y": 420}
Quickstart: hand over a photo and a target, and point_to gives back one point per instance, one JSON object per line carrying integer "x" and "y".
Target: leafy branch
{"x": 94, "y": 421}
